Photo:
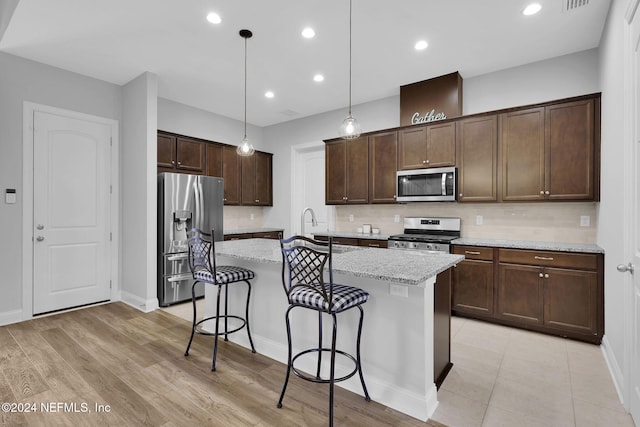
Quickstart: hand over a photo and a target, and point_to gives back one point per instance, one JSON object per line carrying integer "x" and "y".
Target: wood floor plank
{"x": 112, "y": 389}
{"x": 22, "y": 377}
{"x": 134, "y": 361}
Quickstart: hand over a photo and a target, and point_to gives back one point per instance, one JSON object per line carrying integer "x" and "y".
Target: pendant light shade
{"x": 245, "y": 148}
{"x": 350, "y": 128}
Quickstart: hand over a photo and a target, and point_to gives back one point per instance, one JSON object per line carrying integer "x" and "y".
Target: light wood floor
{"x": 133, "y": 362}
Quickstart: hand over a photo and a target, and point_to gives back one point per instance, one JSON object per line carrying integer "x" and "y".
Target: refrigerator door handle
{"x": 198, "y": 201}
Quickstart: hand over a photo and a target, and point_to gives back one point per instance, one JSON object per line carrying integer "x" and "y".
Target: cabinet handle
{"x": 542, "y": 192}
{"x": 472, "y": 252}
{"x": 179, "y": 163}
{"x": 257, "y": 201}
{"x": 547, "y": 192}
{"x": 546, "y": 276}
{"x": 543, "y": 258}
{"x": 540, "y": 275}
{"x": 460, "y": 194}
{"x": 374, "y": 245}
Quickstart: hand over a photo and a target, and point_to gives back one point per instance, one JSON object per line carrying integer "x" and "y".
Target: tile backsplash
{"x": 242, "y": 217}
{"x": 552, "y": 222}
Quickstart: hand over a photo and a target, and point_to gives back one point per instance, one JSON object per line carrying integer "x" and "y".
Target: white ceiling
{"x": 201, "y": 65}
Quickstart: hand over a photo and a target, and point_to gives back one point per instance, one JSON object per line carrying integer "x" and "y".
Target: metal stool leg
{"x": 226, "y": 317}
{"x": 289, "y": 358}
{"x": 332, "y": 374}
{"x": 215, "y": 343}
{"x": 246, "y": 317}
{"x": 193, "y": 325}
{"x": 364, "y": 387}
{"x": 319, "y": 344}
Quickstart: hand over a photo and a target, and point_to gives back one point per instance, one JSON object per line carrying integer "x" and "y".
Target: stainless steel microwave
{"x": 427, "y": 185}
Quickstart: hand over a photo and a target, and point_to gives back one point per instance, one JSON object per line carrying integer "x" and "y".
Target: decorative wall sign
{"x": 430, "y": 100}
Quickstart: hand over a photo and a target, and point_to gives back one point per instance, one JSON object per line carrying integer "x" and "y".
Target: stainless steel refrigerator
{"x": 184, "y": 202}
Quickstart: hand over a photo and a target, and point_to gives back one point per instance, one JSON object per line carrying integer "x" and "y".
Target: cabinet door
{"x": 166, "y": 152}
{"x": 441, "y": 145}
{"x": 335, "y": 173}
{"x": 357, "y": 165}
{"x": 477, "y": 159}
{"x": 231, "y": 175}
{"x": 520, "y": 293}
{"x": 570, "y": 151}
{"x": 473, "y": 287}
{"x": 190, "y": 155}
{"x": 522, "y": 152}
{"x": 412, "y": 148}
{"x": 248, "y": 180}
{"x": 264, "y": 187}
{"x": 383, "y": 149}
{"x": 214, "y": 160}
{"x": 571, "y": 300}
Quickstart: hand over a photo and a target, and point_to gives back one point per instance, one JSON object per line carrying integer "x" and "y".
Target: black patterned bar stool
{"x": 202, "y": 261}
{"x": 303, "y": 271}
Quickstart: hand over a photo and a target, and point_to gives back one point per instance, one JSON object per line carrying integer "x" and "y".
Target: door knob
{"x": 40, "y": 227}
{"x": 39, "y": 238}
{"x": 624, "y": 268}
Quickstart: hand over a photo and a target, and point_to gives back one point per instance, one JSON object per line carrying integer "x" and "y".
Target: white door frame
{"x": 628, "y": 187}
{"x": 28, "y": 110}
{"x": 296, "y": 153}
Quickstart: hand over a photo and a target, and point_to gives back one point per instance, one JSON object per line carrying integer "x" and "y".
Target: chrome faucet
{"x": 314, "y": 222}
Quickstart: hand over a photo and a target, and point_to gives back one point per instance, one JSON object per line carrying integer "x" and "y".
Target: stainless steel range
{"x": 426, "y": 234}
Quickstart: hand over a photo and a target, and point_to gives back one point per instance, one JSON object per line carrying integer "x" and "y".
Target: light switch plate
{"x": 585, "y": 221}
{"x": 396, "y": 218}
{"x": 10, "y": 196}
{"x": 479, "y": 220}
{"x": 350, "y": 217}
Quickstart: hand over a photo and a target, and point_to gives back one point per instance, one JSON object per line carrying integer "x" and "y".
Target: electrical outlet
{"x": 350, "y": 217}
{"x": 585, "y": 221}
{"x": 396, "y": 218}
{"x": 479, "y": 220}
{"x": 399, "y": 290}
{"x": 252, "y": 217}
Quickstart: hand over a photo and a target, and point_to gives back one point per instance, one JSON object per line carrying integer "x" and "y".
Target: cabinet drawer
{"x": 338, "y": 240}
{"x": 549, "y": 258}
{"x": 276, "y": 235}
{"x": 237, "y": 236}
{"x": 474, "y": 252}
{"x": 372, "y": 243}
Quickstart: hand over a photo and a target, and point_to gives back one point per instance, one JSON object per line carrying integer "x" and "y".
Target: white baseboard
{"x": 135, "y": 301}
{"x": 406, "y": 401}
{"x": 8, "y": 317}
{"x": 614, "y": 370}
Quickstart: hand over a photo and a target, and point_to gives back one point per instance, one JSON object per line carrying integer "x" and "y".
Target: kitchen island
{"x": 398, "y": 334}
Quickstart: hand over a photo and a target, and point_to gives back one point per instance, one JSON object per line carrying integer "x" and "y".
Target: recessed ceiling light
{"x": 214, "y": 18}
{"x": 532, "y": 9}
{"x": 421, "y": 45}
{"x": 269, "y": 94}
{"x": 308, "y": 33}
{"x": 318, "y": 78}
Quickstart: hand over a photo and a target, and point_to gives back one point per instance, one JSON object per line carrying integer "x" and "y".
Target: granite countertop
{"x": 354, "y": 235}
{"x": 252, "y": 230}
{"x": 407, "y": 267}
{"x": 530, "y": 244}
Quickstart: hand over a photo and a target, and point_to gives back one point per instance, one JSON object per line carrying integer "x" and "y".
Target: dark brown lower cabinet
{"x": 275, "y": 235}
{"x": 442, "y": 327}
{"x": 559, "y": 293}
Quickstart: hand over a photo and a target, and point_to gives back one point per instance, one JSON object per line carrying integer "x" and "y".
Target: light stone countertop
{"x": 252, "y": 230}
{"x": 406, "y": 267}
{"x": 530, "y": 244}
{"x": 354, "y": 235}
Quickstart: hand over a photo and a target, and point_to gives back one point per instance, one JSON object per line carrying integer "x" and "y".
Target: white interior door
{"x": 634, "y": 403}
{"x": 71, "y": 202}
{"x": 309, "y": 174}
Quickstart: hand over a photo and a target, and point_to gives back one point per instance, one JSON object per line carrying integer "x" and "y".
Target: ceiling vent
{"x": 289, "y": 113}
{"x": 571, "y": 5}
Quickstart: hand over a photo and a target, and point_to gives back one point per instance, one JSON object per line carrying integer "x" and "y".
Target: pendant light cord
{"x": 350, "y": 7}
{"x": 245, "y": 88}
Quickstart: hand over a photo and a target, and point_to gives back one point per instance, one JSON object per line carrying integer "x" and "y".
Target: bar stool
{"x": 303, "y": 264}
{"x": 202, "y": 261}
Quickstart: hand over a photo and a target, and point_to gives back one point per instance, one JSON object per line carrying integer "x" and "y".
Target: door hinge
{"x": 110, "y": 189}
{"x": 110, "y": 236}
{"x": 111, "y": 141}
{"x": 109, "y": 284}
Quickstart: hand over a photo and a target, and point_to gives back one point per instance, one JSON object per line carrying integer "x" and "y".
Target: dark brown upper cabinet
{"x": 477, "y": 151}
{"x": 429, "y": 146}
{"x": 383, "y": 151}
{"x": 231, "y": 175}
{"x": 549, "y": 153}
{"x": 256, "y": 179}
{"x": 180, "y": 154}
{"x": 347, "y": 171}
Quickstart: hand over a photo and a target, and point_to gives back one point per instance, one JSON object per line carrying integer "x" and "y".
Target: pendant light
{"x": 245, "y": 148}
{"x": 350, "y": 128}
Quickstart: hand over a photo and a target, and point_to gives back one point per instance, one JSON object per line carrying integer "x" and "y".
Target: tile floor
{"x": 506, "y": 377}
{"x": 509, "y": 377}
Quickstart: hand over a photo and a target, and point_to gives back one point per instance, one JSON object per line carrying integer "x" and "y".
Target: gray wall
{"x": 23, "y": 80}
{"x": 611, "y": 231}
